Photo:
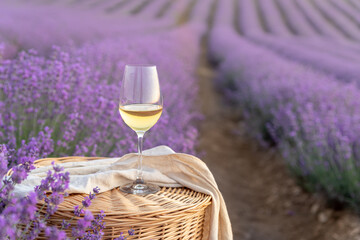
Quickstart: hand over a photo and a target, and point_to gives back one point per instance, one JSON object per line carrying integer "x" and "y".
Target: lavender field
{"x": 294, "y": 74}
{"x": 287, "y": 70}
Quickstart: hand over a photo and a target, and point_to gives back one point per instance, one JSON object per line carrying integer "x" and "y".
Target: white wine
{"x": 140, "y": 117}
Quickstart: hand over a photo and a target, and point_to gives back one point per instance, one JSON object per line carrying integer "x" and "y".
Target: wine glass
{"x": 140, "y": 108}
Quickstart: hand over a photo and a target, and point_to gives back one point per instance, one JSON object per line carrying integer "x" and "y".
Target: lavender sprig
{"x": 88, "y": 227}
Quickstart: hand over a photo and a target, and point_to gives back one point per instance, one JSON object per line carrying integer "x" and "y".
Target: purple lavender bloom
{"x": 96, "y": 189}
{"x": 65, "y": 224}
{"x": 19, "y": 174}
{"x": 78, "y": 211}
{"x": 83, "y": 224}
{"x": 87, "y": 201}
{"x": 3, "y": 161}
{"x": 57, "y": 168}
{"x": 55, "y": 234}
{"x": 97, "y": 227}
{"x": 131, "y": 232}
{"x": 91, "y": 196}
{"x": 17, "y": 211}
{"x": 6, "y": 228}
{"x": 121, "y": 237}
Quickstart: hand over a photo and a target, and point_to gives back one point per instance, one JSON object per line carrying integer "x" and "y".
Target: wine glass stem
{"x": 139, "y": 177}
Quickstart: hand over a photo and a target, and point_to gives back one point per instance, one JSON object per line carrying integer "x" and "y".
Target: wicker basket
{"x": 172, "y": 213}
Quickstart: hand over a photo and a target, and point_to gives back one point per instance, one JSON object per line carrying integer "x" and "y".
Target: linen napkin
{"x": 161, "y": 165}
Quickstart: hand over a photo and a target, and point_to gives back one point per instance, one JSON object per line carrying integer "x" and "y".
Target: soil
{"x": 263, "y": 200}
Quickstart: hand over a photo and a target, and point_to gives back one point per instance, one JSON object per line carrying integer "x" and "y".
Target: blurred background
{"x": 266, "y": 92}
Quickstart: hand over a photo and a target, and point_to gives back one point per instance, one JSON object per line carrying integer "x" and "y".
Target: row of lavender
{"x": 78, "y": 22}
{"x": 319, "y": 34}
{"x": 68, "y": 102}
{"x": 312, "y": 118}
{"x": 65, "y": 26}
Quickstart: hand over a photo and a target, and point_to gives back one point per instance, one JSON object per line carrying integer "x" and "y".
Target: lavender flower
{"x": 3, "y": 161}
{"x": 17, "y": 211}
{"x": 87, "y": 202}
{"x": 53, "y": 233}
{"x": 65, "y": 224}
{"x": 78, "y": 211}
{"x": 24, "y": 156}
{"x": 121, "y": 237}
{"x": 96, "y": 228}
{"x": 131, "y": 232}
{"x": 96, "y": 189}
{"x": 83, "y": 224}
{"x": 88, "y": 227}
{"x": 18, "y": 175}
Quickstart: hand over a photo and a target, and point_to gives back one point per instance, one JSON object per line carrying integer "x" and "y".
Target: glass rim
{"x": 140, "y": 65}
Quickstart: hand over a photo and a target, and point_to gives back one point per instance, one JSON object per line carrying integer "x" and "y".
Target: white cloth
{"x": 161, "y": 165}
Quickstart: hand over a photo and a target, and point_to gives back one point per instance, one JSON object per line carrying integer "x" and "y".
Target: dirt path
{"x": 263, "y": 201}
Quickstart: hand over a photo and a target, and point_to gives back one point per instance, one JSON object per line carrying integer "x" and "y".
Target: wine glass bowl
{"x": 140, "y": 108}
{"x": 140, "y": 117}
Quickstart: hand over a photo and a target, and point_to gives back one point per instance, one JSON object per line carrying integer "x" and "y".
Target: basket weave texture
{"x": 171, "y": 213}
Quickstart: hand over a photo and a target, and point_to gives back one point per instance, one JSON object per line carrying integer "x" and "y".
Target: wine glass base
{"x": 139, "y": 188}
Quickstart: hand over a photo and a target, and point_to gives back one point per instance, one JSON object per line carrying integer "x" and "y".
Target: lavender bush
{"x": 344, "y": 66}
{"x": 20, "y": 218}
{"x": 313, "y": 118}
{"x": 64, "y": 96}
